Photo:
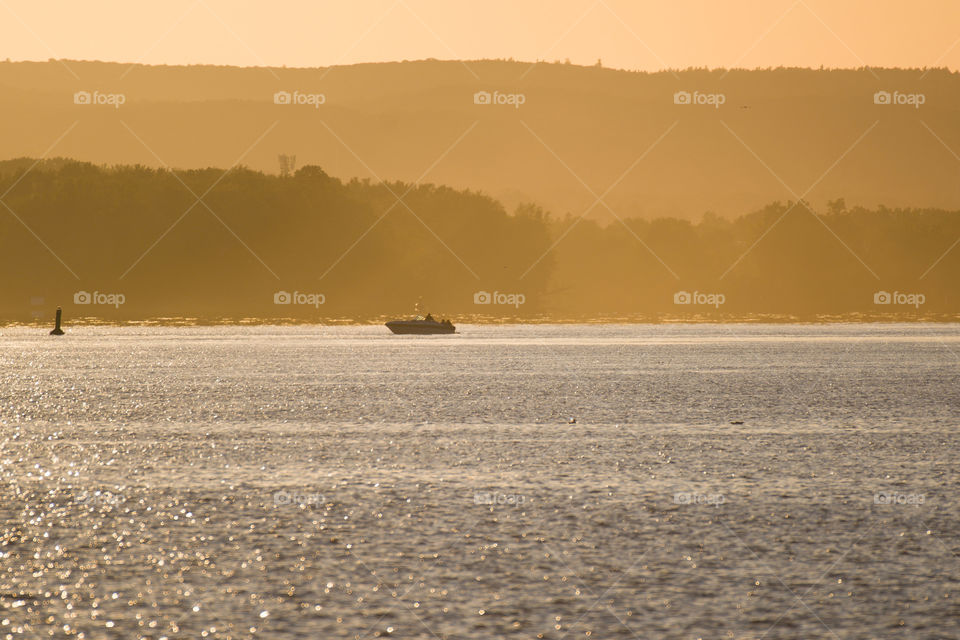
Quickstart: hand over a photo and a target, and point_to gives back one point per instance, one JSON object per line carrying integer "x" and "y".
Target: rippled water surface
{"x": 670, "y": 481}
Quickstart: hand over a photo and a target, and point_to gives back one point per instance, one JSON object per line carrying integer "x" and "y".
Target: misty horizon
{"x": 129, "y": 63}
{"x": 627, "y": 35}
{"x": 391, "y": 121}
{"x": 682, "y": 191}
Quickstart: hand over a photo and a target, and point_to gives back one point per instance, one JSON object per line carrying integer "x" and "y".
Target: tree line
{"x": 211, "y": 244}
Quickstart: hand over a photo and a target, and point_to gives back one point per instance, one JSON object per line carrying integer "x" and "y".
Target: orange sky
{"x": 626, "y": 34}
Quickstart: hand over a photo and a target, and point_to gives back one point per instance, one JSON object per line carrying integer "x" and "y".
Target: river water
{"x": 545, "y": 481}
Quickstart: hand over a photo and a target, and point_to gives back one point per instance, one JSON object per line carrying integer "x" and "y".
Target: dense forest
{"x": 132, "y": 242}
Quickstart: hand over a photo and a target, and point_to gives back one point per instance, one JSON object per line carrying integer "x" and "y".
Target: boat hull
{"x": 419, "y": 328}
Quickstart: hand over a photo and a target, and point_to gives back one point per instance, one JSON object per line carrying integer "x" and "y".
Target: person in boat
{"x": 429, "y": 318}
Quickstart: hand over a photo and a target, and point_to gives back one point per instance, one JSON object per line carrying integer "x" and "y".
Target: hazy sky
{"x": 625, "y": 34}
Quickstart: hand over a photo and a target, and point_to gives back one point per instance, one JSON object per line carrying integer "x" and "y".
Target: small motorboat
{"x": 422, "y": 326}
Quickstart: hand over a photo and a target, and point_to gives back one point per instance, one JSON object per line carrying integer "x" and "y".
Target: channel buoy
{"x": 57, "y": 331}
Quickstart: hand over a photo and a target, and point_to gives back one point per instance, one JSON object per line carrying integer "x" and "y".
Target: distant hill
{"x": 777, "y": 133}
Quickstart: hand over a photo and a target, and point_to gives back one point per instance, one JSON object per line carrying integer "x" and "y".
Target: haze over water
{"x": 603, "y": 481}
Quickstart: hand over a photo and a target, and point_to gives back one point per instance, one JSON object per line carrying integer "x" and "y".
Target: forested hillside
{"x": 578, "y": 132}
{"x": 214, "y": 244}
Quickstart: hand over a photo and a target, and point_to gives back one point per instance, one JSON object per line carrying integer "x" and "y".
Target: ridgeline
{"x": 578, "y": 131}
